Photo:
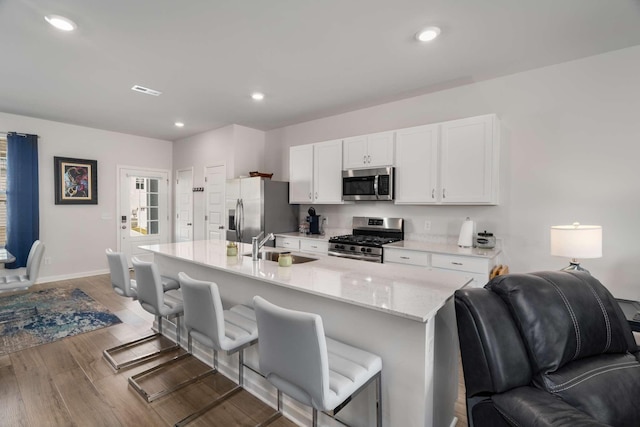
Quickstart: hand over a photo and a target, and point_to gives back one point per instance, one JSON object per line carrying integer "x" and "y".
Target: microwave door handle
{"x": 375, "y": 186}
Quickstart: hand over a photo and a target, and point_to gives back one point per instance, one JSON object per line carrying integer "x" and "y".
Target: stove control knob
{"x": 353, "y": 248}
{"x": 368, "y": 249}
{"x": 365, "y": 250}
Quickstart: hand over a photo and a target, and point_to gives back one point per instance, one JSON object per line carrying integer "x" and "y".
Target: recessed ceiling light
{"x": 257, "y": 96}
{"x": 179, "y": 124}
{"x": 61, "y": 23}
{"x": 428, "y": 34}
{"x": 146, "y": 90}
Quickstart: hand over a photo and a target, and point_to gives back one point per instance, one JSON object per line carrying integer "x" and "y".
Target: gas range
{"x": 369, "y": 234}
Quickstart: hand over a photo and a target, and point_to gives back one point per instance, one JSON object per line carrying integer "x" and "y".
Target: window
{"x": 3, "y": 191}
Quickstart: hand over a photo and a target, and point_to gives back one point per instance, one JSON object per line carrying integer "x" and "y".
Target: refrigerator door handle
{"x": 241, "y": 221}
{"x": 236, "y": 220}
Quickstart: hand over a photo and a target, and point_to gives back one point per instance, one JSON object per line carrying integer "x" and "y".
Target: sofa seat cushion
{"x": 606, "y": 387}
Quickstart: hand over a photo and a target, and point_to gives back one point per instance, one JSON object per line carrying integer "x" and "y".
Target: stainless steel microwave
{"x": 368, "y": 184}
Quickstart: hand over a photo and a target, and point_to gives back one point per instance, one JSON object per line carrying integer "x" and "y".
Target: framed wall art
{"x": 76, "y": 181}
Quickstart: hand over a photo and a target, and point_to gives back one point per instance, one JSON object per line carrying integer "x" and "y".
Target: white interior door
{"x": 184, "y": 205}
{"x": 143, "y": 210}
{"x": 215, "y": 178}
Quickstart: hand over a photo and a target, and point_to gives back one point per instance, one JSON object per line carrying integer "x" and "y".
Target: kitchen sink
{"x": 273, "y": 256}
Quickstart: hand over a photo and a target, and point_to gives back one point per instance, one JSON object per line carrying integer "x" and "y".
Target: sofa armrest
{"x": 531, "y": 407}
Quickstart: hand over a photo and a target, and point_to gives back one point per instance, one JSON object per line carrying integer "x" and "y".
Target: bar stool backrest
{"x": 34, "y": 259}
{"x": 203, "y": 312}
{"x": 149, "y": 286}
{"x": 119, "y": 271}
{"x": 293, "y": 352}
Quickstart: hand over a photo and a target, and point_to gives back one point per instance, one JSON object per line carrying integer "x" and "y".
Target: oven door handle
{"x": 375, "y": 186}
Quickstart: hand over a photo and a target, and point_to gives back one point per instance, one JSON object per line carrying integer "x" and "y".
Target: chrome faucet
{"x": 255, "y": 245}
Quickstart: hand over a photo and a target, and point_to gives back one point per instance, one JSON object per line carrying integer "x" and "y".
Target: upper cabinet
{"x": 417, "y": 164}
{"x": 368, "y": 151}
{"x": 315, "y": 173}
{"x": 453, "y": 162}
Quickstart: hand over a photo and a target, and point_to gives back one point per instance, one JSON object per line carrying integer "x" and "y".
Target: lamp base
{"x": 575, "y": 266}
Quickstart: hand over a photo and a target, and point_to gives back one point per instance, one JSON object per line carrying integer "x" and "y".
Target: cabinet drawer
{"x": 460, "y": 263}
{"x": 288, "y": 242}
{"x": 402, "y": 256}
{"x": 314, "y": 246}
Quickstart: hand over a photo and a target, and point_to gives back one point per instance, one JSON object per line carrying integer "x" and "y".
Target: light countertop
{"x": 443, "y": 248}
{"x": 396, "y": 289}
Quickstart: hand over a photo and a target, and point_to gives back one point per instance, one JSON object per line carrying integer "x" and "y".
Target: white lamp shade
{"x": 576, "y": 241}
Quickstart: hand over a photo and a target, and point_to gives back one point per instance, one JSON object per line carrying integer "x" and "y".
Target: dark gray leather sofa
{"x": 547, "y": 349}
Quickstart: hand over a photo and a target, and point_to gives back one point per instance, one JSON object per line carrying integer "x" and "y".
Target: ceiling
{"x": 311, "y": 58}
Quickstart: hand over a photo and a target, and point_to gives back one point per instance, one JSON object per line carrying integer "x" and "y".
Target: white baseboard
{"x": 49, "y": 279}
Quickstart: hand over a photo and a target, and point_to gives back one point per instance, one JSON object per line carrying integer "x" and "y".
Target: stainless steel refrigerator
{"x": 257, "y": 204}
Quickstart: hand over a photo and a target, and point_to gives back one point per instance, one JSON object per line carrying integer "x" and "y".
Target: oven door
{"x": 367, "y": 184}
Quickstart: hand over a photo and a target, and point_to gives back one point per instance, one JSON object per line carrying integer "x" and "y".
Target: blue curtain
{"x": 23, "y": 211}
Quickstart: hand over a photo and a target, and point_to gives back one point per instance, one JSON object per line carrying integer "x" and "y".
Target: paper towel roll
{"x": 467, "y": 231}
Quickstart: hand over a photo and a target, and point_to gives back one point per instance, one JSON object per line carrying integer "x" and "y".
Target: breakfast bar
{"x": 402, "y": 313}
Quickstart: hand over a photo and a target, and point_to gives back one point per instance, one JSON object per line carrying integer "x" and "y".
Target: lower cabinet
{"x": 290, "y": 243}
{"x": 302, "y": 244}
{"x": 475, "y": 267}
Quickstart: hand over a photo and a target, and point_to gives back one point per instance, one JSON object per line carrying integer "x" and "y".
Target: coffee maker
{"x": 314, "y": 221}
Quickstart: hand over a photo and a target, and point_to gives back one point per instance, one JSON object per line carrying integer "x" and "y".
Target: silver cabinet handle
{"x": 433, "y": 193}
{"x": 368, "y": 159}
{"x": 314, "y": 247}
{"x": 444, "y": 193}
{"x": 316, "y": 194}
{"x": 189, "y": 223}
{"x": 364, "y": 159}
{"x": 404, "y": 257}
{"x": 309, "y": 196}
{"x": 221, "y": 227}
{"x": 456, "y": 263}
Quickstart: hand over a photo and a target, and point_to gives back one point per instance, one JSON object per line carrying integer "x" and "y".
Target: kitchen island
{"x": 402, "y": 313}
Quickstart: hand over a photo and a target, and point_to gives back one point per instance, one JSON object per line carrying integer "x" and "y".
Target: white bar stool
{"x": 125, "y": 287}
{"x": 222, "y": 330}
{"x": 168, "y": 304}
{"x": 297, "y": 358}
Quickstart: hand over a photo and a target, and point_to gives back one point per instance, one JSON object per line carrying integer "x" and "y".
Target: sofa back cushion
{"x": 563, "y": 316}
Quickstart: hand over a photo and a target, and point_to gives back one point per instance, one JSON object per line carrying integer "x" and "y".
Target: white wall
{"x": 570, "y": 152}
{"x": 76, "y": 236}
{"x": 239, "y": 148}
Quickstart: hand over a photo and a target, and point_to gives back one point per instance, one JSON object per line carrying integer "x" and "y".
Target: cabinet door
{"x": 301, "y": 174}
{"x": 467, "y": 151}
{"x": 355, "y": 152}
{"x": 290, "y": 243}
{"x": 417, "y": 165}
{"x": 327, "y": 172}
{"x": 380, "y": 149}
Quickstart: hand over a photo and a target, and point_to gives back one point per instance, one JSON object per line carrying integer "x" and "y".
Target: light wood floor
{"x": 67, "y": 382}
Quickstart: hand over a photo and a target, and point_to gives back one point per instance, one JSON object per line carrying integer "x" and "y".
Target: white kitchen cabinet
{"x": 291, "y": 243}
{"x": 476, "y": 267}
{"x": 303, "y": 244}
{"x": 402, "y": 256}
{"x": 469, "y": 160}
{"x": 417, "y": 165}
{"x": 454, "y": 162}
{"x": 314, "y": 245}
{"x": 369, "y": 151}
{"x": 315, "y": 173}
{"x": 301, "y": 174}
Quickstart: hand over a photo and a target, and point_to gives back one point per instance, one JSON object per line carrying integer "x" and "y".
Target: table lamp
{"x": 576, "y": 241}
